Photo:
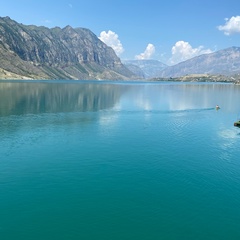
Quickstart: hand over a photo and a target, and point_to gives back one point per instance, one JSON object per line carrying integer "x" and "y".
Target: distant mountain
{"x": 136, "y": 70}
{"x": 225, "y": 62}
{"x": 145, "y": 68}
{"x": 68, "y": 53}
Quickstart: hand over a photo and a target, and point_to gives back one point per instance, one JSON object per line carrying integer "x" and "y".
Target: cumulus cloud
{"x": 182, "y": 51}
{"x": 111, "y": 39}
{"x": 231, "y": 26}
{"x": 147, "y": 54}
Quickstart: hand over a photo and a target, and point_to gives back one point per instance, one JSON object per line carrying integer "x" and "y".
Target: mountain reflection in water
{"x": 18, "y": 98}
{"x": 32, "y": 98}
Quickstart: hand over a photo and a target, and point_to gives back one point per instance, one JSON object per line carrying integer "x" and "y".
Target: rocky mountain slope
{"x": 68, "y": 53}
{"x": 225, "y": 62}
{"x": 145, "y": 68}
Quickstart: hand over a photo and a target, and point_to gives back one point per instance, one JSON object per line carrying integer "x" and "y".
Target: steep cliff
{"x": 68, "y": 53}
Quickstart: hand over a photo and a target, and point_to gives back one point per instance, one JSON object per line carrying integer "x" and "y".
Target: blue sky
{"x": 169, "y": 31}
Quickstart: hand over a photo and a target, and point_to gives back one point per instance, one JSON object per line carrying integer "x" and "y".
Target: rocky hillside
{"x": 145, "y": 68}
{"x": 68, "y": 53}
{"x": 225, "y": 62}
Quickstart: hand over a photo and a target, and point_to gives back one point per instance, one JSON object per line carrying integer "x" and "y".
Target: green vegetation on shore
{"x": 203, "y": 78}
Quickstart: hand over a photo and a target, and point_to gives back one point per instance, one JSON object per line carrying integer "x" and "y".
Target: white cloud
{"x": 147, "y": 54}
{"x": 111, "y": 39}
{"x": 182, "y": 51}
{"x": 231, "y": 26}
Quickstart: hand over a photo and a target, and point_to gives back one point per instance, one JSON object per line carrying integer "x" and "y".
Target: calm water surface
{"x": 119, "y": 161}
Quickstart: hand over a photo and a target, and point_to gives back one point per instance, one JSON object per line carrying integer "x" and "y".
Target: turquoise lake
{"x": 119, "y": 160}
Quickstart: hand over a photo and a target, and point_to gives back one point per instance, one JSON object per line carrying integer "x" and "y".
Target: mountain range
{"x": 32, "y": 52}
{"x": 224, "y": 62}
{"x": 69, "y": 53}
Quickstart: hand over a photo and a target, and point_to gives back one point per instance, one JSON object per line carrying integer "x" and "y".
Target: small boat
{"x": 237, "y": 123}
{"x": 217, "y": 107}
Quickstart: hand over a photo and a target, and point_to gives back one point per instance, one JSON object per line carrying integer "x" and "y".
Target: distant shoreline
{"x": 104, "y": 81}
{"x": 235, "y": 79}
{"x": 203, "y": 78}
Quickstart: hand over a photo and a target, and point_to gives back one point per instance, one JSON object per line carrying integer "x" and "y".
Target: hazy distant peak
{"x": 149, "y": 68}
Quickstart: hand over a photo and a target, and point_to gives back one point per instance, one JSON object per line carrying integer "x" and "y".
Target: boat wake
{"x": 192, "y": 110}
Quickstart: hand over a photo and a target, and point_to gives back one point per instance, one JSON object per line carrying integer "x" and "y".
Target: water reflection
{"x": 182, "y": 97}
{"x": 18, "y": 98}
{"x": 32, "y": 98}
